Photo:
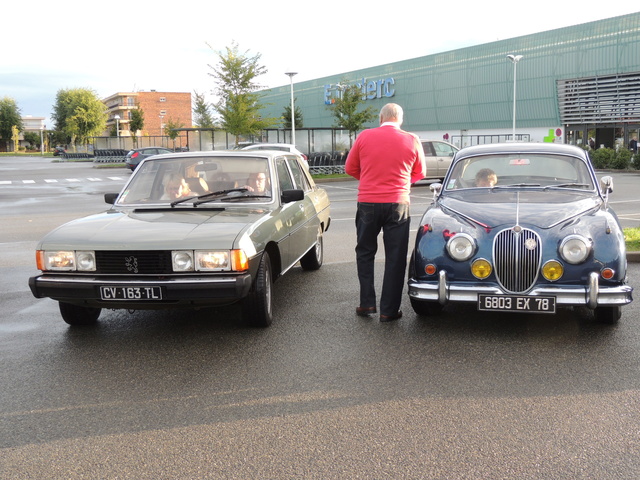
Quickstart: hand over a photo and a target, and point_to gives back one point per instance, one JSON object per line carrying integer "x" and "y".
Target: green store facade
{"x": 572, "y": 84}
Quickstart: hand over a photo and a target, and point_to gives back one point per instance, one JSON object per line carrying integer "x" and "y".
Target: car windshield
{"x": 195, "y": 180}
{"x": 520, "y": 170}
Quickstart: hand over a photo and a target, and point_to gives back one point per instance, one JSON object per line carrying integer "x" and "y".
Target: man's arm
{"x": 419, "y": 170}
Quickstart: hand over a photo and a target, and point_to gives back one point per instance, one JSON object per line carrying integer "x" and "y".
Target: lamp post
{"x": 514, "y": 59}
{"x": 161, "y": 117}
{"x": 293, "y": 120}
{"x": 117, "y": 119}
{"x": 41, "y": 139}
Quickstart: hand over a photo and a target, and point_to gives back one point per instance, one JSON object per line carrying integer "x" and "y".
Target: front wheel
{"x": 257, "y": 306}
{"x": 608, "y": 315}
{"x": 313, "y": 259}
{"x": 77, "y": 315}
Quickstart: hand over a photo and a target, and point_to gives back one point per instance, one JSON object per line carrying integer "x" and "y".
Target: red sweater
{"x": 386, "y": 160}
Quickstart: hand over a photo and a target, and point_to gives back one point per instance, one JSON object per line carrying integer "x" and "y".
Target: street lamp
{"x": 161, "y": 117}
{"x": 117, "y": 119}
{"x": 42, "y": 139}
{"x": 514, "y": 59}
{"x": 293, "y": 120}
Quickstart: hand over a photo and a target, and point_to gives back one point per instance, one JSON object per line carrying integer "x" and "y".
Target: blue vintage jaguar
{"x": 521, "y": 228}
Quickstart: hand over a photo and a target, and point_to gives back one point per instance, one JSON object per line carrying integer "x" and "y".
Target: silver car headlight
{"x": 461, "y": 247}
{"x": 209, "y": 260}
{"x": 66, "y": 261}
{"x": 216, "y": 260}
{"x": 182, "y": 260}
{"x": 575, "y": 249}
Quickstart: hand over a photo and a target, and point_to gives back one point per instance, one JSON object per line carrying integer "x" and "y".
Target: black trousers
{"x": 394, "y": 221}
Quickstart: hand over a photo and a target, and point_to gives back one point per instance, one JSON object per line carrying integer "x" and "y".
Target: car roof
{"x": 248, "y": 147}
{"x": 550, "y": 148}
{"x": 227, "y": 153}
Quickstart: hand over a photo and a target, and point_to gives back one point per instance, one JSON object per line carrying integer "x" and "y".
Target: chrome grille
{"x": 517, "y": 254}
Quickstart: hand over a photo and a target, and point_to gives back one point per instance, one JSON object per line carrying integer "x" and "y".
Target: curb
{"x": 633, "y": 257}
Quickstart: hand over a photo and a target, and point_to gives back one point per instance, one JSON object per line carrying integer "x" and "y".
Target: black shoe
{"x": 365, "y": 311}
{"x": 391, "y": 318}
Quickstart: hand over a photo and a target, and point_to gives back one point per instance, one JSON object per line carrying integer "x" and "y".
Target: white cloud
{"x": 160, "y": 45}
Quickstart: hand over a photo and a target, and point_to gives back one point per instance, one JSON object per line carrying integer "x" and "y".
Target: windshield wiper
{"x": 241, "y": 197}
{"x": 207, "y": 196}
{"x": 517, "y": 185}
{"x": 568, "y": 185}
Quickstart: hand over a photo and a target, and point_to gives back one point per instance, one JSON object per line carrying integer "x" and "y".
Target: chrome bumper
{"x": 592, "y": 295}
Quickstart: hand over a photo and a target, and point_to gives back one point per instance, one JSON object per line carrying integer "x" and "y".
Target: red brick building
{"x": 159, "y": 108}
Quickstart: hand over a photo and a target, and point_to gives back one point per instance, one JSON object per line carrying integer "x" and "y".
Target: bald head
{"x": 391, "y": 112}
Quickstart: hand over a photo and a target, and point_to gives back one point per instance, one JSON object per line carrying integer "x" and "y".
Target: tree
{"x": 202, "y": 114}
{"x": 346, "y": 114}
{"x": 239, "y": 104}
{"x": 286, "y": 116}
{"x": 171, "y": 130}
{"x": 9, "y": 117}
{"x": 32, "y": 139}
{"x": 136, "y": 123}
{"x": 79, "y": 114}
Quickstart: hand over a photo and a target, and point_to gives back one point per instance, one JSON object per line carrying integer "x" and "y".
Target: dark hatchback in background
{"x": 134, "y": 157}
{"x": 542, "y": 237}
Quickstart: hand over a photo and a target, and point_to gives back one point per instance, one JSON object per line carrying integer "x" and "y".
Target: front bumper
{"x": 591, "y": 295}
{"x": 176, "y": 290}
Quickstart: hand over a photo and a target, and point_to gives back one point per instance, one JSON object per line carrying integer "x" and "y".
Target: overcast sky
{"x": 120, "y": 46}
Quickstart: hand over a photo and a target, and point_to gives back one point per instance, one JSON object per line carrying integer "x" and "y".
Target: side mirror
{"x": 606, "y": 184}
{"x": 110, "y": 198}
{"x": 289, "y": 196}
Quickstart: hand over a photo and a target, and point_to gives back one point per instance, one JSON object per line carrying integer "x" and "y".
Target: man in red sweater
{"x": 386, "y": 160}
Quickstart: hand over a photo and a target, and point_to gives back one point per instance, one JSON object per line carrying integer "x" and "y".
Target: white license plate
{"x": 130, "y": 293}
{"x": 516, "y": 303}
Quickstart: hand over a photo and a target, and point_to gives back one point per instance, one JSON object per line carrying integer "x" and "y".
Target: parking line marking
{"x": 50, "y": 180}
{"x": 28, "y": 181}
{"x": 5, "y": 182}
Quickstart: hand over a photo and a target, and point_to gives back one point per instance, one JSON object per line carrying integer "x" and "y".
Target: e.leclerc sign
{"x": 371, "y": 89}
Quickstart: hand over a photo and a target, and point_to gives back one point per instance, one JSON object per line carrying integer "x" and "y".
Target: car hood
{"x": 153, "y": 229}
{"x": 542, "y": 208}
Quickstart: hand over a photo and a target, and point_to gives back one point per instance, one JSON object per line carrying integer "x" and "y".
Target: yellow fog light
{"x": 552, "y": 270}
{"x": 481, "y": 268}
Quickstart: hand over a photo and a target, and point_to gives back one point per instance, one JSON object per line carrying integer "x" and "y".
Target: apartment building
{"x": 159, "y": 108}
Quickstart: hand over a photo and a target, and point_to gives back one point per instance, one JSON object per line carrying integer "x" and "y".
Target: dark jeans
{"x": 394, "y": 221}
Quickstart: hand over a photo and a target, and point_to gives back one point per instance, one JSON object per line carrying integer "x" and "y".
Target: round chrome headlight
{"x": 575, "y": 249}
{"x": 461, "y": 247}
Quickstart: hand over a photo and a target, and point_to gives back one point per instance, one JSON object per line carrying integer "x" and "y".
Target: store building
{"x": 572, "y": 84}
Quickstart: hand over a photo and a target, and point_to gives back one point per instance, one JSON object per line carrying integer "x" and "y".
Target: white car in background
{"x": 282, "y": 147}
{"x": 438, "y": 155}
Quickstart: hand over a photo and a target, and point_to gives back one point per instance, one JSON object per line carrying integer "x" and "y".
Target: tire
{"x": 313, "y": 259}
{"x": 77, "y": 315}
{"x": 257, "y": 306}
{"x": 608, "y": 315}
{"x": 425, "y": 309}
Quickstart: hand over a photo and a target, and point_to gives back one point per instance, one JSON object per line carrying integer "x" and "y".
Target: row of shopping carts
{"x": 327, "y": 163}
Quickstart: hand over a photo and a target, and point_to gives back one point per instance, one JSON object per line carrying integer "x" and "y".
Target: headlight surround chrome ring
{"x": 575, "y": 249}
{"x": 461, "y": 247}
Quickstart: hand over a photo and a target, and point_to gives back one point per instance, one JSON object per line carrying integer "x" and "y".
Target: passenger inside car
{"x": 197, "y": 185}
{"x": 486, "y": 178}
{"x": 257, "y": 184}
{"x": 176, "y": 187}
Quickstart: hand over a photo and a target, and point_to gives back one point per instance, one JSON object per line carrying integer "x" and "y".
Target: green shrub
{"x": 602, "y": 157}
{"x": 622, "y": 159}
{"x": 635, "y": 161}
